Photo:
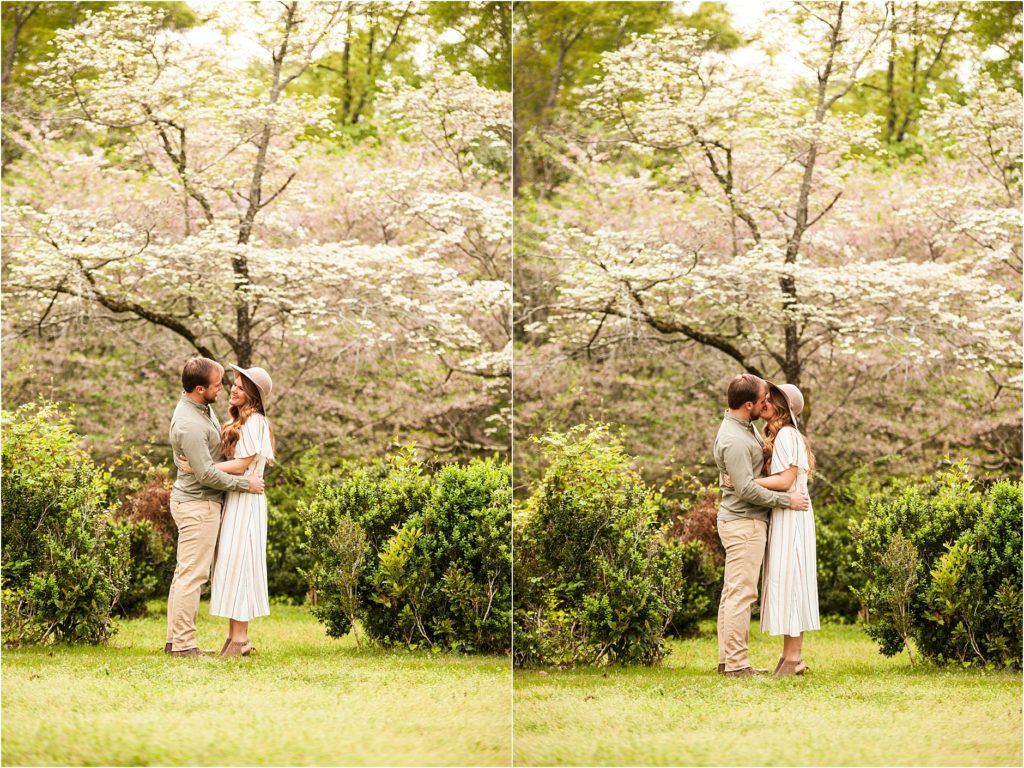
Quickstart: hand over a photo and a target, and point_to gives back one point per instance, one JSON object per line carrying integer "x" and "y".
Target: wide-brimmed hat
{"x": 792, "y": 397}
{"x": 260, "y": 378}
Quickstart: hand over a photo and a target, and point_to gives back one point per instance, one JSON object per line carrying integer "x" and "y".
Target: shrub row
{"x": 417, "y": 558}
{"x": 596, "y": 577}
{"x": 64, "y": 562}
{"x": 941, "y": 563}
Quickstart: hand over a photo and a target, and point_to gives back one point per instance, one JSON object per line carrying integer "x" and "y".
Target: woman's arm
{"x": 782, "y": 481}
{"x": 229, "y": 467}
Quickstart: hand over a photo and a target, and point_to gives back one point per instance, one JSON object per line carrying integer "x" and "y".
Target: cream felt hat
{"x": 793, "y": 398}
{"x": 260, "y": 378}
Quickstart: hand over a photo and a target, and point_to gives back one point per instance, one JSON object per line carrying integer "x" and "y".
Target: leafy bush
{"x": 436, "y": 559}
{"x": 701, "y": 558}
{"x": 288, "y": 486}
{"x": 964, "y": 573}
{"x": 145, "y": 517}
{"x": 596, "y": 579}
{"x": 840, "y": 507}
{"x": 63, "y": 564}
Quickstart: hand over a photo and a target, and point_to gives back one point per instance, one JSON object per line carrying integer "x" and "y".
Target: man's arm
{"x": 197, "y": 451}
{"x": 737, "y": 466}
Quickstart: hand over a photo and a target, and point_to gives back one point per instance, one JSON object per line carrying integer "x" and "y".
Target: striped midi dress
{"x": 239, "y": 589}
{"x": 789, "y": 591}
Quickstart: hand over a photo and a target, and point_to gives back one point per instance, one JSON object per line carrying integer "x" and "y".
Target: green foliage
{"x": 377, "y": 46}
{"x": 144, "y": 494}
{"x": 694, "y": 554}
{"x": 596, "y": 580}
{"x": 556, "y": 52}
{"x": 691, "y": 585}
{"x": 484, "y": 45}
{"x": 151, "y": 565}
{"x": 998, "y": 26}
{"x": 843, "y": 504}
{"x": 436, "y": 559}
{"x": 288, "y": 485}
{"x": 63, "y": 564}
{"x": 962, "y": 602}
{"x": 899, "y": 567}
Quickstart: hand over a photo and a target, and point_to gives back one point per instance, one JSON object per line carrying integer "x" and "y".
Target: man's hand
{"x": 799, "y": 501}
{"x": 256, "y": 484}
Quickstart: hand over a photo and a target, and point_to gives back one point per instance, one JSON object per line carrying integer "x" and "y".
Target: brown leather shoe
{"x": 168, "y": 647}
{"x": 233, "y": 648}
{"x": 721, "y": 669}
{"x": 742, "y": 672}
{"x": 188, "y": 652}
{"x": 787, "y": 668}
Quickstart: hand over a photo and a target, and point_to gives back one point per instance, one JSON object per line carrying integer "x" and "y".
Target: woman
{"x": 239, "y": 590}
{"x": 789, "y": 593}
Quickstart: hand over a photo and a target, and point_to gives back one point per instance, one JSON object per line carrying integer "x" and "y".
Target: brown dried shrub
{"x": 151, "y": 502}
{"x": 700, "y": 523}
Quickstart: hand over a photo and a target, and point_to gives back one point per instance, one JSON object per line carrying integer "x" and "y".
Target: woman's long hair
{"x": 773, "y": 427}
{"x": 240, "y": 414}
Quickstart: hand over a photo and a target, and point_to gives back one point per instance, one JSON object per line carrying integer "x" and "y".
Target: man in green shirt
{"x": 743, "y": 518}
{"x": 197, "y": 498}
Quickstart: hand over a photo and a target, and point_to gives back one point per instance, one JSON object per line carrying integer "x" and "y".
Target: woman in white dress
{"x": 239, "y": 588}
{"x": 789, "y": 592}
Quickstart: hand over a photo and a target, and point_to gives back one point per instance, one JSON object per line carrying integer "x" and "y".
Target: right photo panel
{"x": 767, "y": 383}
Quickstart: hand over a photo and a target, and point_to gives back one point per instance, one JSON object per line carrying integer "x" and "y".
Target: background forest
{"x": 321, "y": 191}
{"x": 824, "y": 194}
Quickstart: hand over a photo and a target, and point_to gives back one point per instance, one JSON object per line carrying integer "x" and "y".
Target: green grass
{"x": 303, "y": 699}
{"x": 855, "y": 707}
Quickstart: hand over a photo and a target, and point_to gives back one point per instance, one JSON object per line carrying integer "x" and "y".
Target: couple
{"x": 203, "y": 488}
{"x": 765, "y": 478}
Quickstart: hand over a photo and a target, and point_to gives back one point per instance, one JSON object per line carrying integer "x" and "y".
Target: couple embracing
{"x": 218, "y": 505}
{"x": 765, "y": 518}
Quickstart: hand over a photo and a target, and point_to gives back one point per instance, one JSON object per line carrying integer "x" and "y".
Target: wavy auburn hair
{"x": 773, "y": 427}
{"x": 240, "y": 414}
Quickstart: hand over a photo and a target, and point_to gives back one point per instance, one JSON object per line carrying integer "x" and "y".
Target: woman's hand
{"x": 727, "y": 482}
{"x": 184, "y": 467}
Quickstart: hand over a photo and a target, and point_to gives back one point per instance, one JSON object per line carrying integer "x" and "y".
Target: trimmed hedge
{"x": 596, "y": 578}
{"x": 435, "y": 553}
{"x": 941, "y": 562}
{"x": 64, "y": 564}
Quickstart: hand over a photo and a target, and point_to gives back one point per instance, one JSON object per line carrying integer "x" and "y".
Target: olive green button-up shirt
{"x": 195, "y": 434}
{"x": 738, "y": 454}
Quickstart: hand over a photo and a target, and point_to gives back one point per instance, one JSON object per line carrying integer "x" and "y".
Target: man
{"x": 743, "y": 519}
{"x": 196, "y": 499}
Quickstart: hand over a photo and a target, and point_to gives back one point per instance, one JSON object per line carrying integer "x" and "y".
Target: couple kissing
{"x": 765, "y": 519}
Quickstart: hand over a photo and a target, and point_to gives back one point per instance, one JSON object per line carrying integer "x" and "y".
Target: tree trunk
{"x": 240, "y": 264}
{"x": 19, "y": 16}
{"x": 792, "y": 365}
{"x": 346, "y": 72}
{"x": 890, "y": 80}
{"x": 517, "y": 168}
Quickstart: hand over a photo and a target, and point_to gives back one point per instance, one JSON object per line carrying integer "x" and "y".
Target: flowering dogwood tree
{"x": 769, "y": 160}
{"x": 207, "y": 207}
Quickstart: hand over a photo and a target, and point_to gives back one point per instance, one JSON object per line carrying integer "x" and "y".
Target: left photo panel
{"x": 256, "y": 375}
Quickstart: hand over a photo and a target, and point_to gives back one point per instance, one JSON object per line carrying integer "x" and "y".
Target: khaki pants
{"x": 744, "y": 541}
{"x": 198, "y": 524}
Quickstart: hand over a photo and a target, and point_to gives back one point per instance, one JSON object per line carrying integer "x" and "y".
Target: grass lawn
{"x": 303, "y": 699}
{"x": 855, "y": 707}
